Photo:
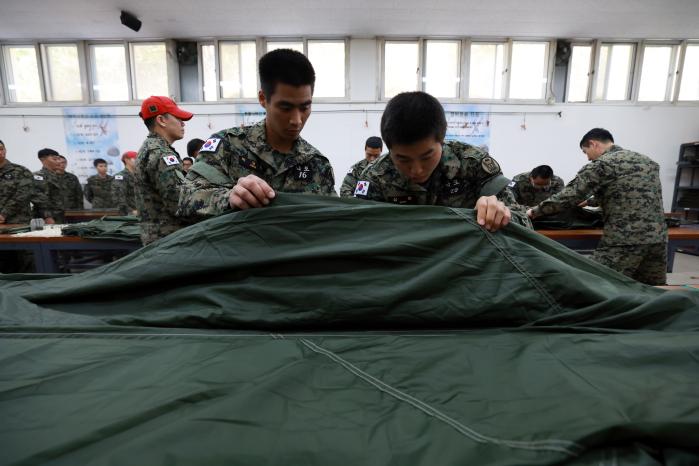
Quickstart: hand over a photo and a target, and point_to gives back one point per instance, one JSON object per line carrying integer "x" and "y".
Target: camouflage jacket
{"x": 16, "y": 187}
{"x": 98, "y": 191}
{"x": 463, "y": 175}
{"x": 47, "y": 198}
{"x": 350, "y": 181}
{"x": 528, "y": 195}
{"x": 237, "y": 152}
{"x": 123, "y": 193}
{"x": 157, "y": 179}
{"x": 627, "y": 186}
{"x": 71, "y": 191}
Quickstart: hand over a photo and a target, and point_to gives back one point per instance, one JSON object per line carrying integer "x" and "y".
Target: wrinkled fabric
{"x": 281, "y": 336}
{"x": 113, "y": 228}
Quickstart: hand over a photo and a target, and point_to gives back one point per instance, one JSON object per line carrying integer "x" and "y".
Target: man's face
{"x": 186, "y": 165}
{"x": 61, "y": 166}
{"x": 101, "y": 169}
{"x": 129, "y": 163}
{"x": 417, "y": 161}
{"x": 371, "y": 154}
{"x": 541, "y": 184}
{"x": 172, "y": 126}
{"x": 3, "y": 153}
{"x": 52, "y": 162}
{"x": 288, "y": 108}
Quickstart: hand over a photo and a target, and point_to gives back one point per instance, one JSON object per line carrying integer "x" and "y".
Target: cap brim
{"x": 181, "y": 114}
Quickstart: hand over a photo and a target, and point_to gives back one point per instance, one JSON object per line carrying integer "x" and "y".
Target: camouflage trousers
{"x": 646, "y": 263}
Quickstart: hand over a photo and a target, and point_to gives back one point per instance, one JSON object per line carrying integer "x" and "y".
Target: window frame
{"x": 672, "y": 71}
{"x": 172, "y": 72}
{"x": 590, "y": 71}
{"x": 459, "y": 66}
{"x": 680, "y": 74}
{"x": 91, "y": 70}
{"x": 217, "y": 56}
{"x": 550, "y": 65}
{"x": 46, "y": 77}
{"x": 382, "y": 62}
{"x": 7, "y": 69}
{"x": 634, "y": 73}
{"x": 466, "y": 97}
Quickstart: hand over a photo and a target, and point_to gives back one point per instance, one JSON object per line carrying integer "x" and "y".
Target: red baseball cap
{"x": 129, "y": 155}
{"x": 158, "y": 105}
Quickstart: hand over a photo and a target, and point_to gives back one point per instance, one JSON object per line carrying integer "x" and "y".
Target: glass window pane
{"x": 655, "y": 73}
{"x": 273, "y": 45}
{"x": 614, "y": 73}
{"x": 328, "y": 59}
{"x": 528, "y": 78}
{"x": 238, "y": 62}
{"x": 579, "y": 73}
{"x": 110, "y": 82}
{"x": 22, "y": 74}
{"x": 64, "y": 81}
{"x": 208, "y": 66}
{"x": 689, "y": 89}
{"x": 442, "y": 68}
{"x": 485, "y": 71}
{"x": 150, "y": 70}
{"x": 401, "y": 62}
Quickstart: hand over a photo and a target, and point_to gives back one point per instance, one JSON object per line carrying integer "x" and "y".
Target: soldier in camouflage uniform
{"x": 158, "y": 172}
{"x": 535, "y": 186}
{"x": 71, "y": 191}
{"x": 98, "y": 190}
{"x": 123, "y": 190}
{"x": 372, "y": 151}
{"x": 46, "y": 197}
{"x": 16, "y": 187}
{"x": 243, "y": 167}
{"x": 422, "y": 169}
{"x": 627, "y": 186}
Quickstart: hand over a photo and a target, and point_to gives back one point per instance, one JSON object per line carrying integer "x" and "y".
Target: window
{"x": 238, "y": 61}
{"x": 62, "y": 71}
{"x": 328, "y": 59}
{"x": 401, "y": 67}
{"x": 689, "y": 88}
{"x": 208, "y": 72}
{"x": 23, "y": 79}
{"x": 150, "y": 73}
{"x": 442, "y": 69}
{"x": 110, "y": 81}
{"x": 658, "y": 72}
{"x": 293, "y": 45}
{"x": 579, "y": 73}
{"x": 486, "y": 68}
{"x": 614, "y": 67}
{"x": 528, "y": 77}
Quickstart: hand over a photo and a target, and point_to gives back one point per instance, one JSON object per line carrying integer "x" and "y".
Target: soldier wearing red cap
{"x": 123, "y": 191}
{"x": 158, "y": 171}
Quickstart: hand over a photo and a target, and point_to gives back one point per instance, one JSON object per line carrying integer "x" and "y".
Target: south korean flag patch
{"x": 171, "y": 160}
{"x": 38, "y": 178}
{"x": 362, "y": 188}
{"x": 210, "y": 145}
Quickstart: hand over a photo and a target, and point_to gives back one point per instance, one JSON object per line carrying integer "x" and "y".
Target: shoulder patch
{"x": 511, "y": 184}
{"x": 38, "y": 178}
{"x": 118, "y": 177}
{"x": 210, "y": 145}
{"x": 171, "y": 160}
{"x": 490, "y": 166}
{"x": 362, "y": 188}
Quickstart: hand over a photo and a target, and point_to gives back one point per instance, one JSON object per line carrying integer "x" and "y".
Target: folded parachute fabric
{"x": 319, "y": 331}
{"x": 124, "y": 228}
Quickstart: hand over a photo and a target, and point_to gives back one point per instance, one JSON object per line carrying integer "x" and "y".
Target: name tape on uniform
{"x": 119, "y": 177}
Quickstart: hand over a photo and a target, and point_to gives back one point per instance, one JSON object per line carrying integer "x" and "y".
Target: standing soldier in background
{"x": 16, "y": 187}
{"x": 372, "y": 150}
{"x": 627, "y": 186}
{"x": 71, "y": 191}
{"x": 123, "y": 192}
{"x": 98, "y": 190}
{"x": 193, "y": 148}
{"x": 47, "y": 197}
{"x": 536, "y": 186}
{"x": 158, "y": 169}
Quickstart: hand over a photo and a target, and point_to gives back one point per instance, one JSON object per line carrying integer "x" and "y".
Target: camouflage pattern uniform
{"x": 463, "y": 175}
{"x": 528, "y": 195}
{"x": 123, "y": 192}
{"x": 237, "y": 152}
{"x": 71, "y": 191}
{"x": 98, "y": 191}
{"x": 350, "y": 181}
{"x": 627, "y": 186}
{"x": 47, "y": 198}
{"x": 16, "y": 187}
{"x": 157, "y": 179}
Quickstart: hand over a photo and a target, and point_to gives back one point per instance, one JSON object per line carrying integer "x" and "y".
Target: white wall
{"x": 340, "y": 129}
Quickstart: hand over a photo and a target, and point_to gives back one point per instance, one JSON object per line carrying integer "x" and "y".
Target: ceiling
{"x": 99, "y": 19}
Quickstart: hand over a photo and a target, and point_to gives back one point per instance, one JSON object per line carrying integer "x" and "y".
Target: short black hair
{"x": 63, "y": 157}
{"x": 374, "y": 142}
{"x": 411, "y": 117}
{"x": 542, "y": 171}
{"x": 193, "y": 146}
{"x": 43, "y": 153}
{"x": 99, "y": 161}
{"x": 188, "y": 158}
{"x": 596, "y": 134}
{"x": 2, "y": 143}
{"x": 285, "y": 66}
{"x": 150, "y": 123}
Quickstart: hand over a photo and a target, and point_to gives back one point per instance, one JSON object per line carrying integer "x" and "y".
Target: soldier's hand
{"x": 530, "y": 213}
{"x": 583, "y": 203}
{"x": 2, "y": 219}
{"x": 492, "y": 213}
{"x": 250, "y": 192}
{"x": 49, "y": 221}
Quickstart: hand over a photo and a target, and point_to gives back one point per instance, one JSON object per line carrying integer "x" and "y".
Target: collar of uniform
{"x": 256, "y": 141}
{"x": 156, "y": 139}
{"x": 613, "y": 148}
